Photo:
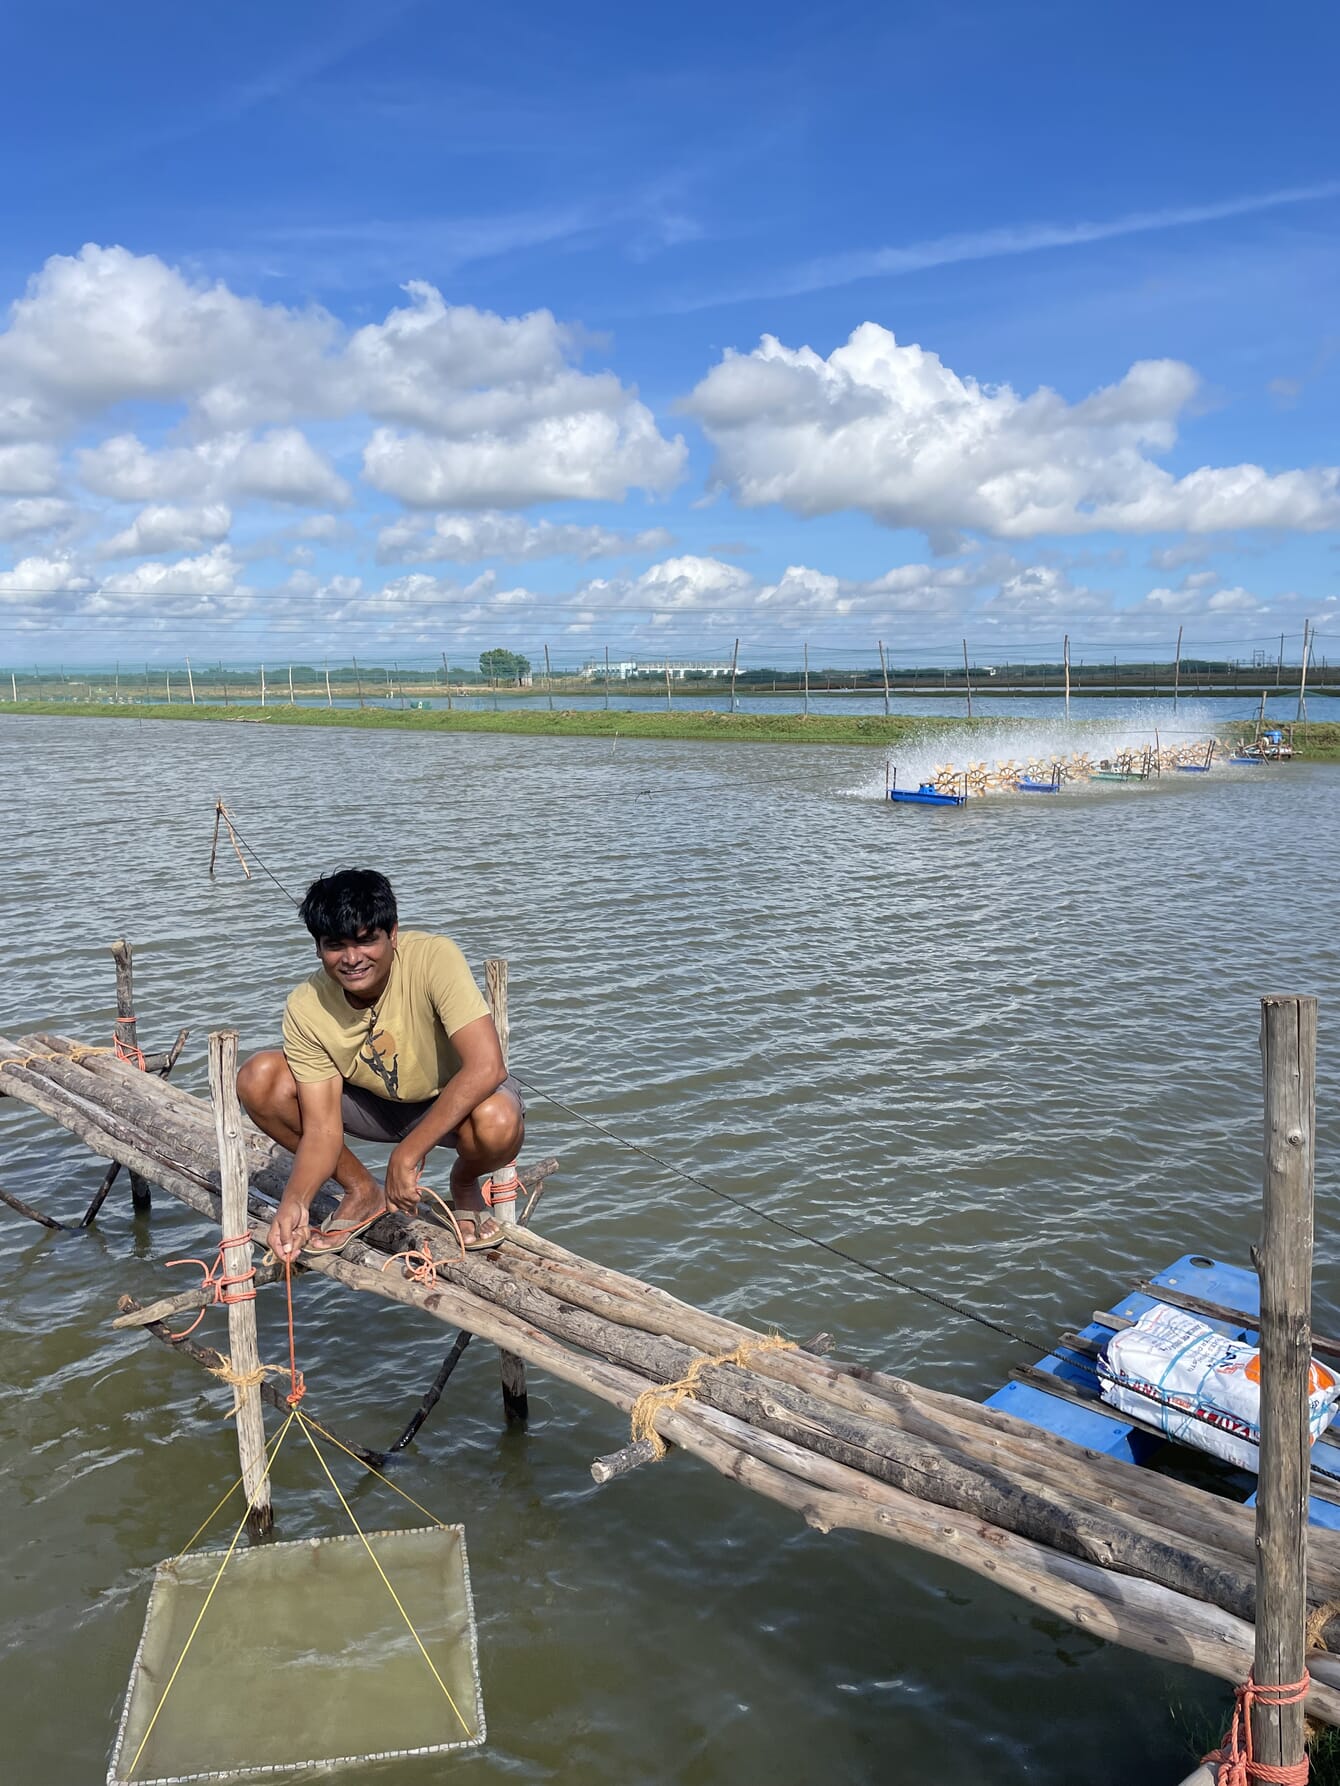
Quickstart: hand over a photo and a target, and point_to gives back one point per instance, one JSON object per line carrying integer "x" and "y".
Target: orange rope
{"x": 213, "y": 1277}
{"x": 124, "y": 1049}
{"x": 297, "y": 1383}
{"x": 1235, "y": 1764}
{"x": 420, "y": 1267}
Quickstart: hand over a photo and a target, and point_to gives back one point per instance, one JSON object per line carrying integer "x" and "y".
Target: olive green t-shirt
{"x": 400, "y": 1048}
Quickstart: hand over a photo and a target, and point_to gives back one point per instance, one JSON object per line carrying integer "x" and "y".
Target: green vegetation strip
{"x": 1316, "y": 742}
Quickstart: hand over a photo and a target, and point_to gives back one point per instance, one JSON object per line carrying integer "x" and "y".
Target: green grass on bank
{"x": 1315, "y": 742}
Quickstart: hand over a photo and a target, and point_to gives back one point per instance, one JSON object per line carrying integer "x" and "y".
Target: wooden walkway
{"x": 1060, "y": 1517}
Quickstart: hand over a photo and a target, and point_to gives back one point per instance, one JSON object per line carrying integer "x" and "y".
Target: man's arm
{"x": 482, "y": 1071}
{"x": 313, "y": 1163}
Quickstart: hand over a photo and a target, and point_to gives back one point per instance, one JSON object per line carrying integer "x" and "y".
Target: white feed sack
{"x": 1202, "y": 1389}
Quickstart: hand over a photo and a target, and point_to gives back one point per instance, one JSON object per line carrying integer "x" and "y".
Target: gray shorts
{"x": 370, "y": 1118}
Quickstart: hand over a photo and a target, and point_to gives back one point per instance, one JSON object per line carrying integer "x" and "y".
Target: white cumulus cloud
{"x": 889, "y": 429}
{"x": 465, "y": 539}
{"x": 162, "y": 528}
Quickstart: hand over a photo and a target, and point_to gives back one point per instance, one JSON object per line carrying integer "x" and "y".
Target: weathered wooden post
{"x": 1284, "y": 1263}
{"x": 127, "y": 1044}
{"x": 516, "y": 1404}
{"x": 236, "y": 1262}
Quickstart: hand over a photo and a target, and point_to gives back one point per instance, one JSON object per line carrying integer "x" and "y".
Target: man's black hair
{"x": 347, "y": 903}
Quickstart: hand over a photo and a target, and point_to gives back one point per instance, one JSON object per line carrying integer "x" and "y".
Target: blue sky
{"x": 415, "y": 327}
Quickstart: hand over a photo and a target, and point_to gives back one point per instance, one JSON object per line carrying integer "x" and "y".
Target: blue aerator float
{"x": 925, "y": 794}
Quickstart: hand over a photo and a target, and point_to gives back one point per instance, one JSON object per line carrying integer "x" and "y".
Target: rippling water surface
{"x": 1008, "y": 1051}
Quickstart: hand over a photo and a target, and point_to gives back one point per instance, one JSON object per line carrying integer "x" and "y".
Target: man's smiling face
{"x": 361, "y": 964}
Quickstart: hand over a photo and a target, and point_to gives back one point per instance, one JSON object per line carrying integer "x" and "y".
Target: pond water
{"x": 1008, "y": 1052}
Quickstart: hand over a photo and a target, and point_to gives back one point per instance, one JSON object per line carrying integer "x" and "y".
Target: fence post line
{"x": 1065, "y": 652}
{"x": 1284, "y": 1263}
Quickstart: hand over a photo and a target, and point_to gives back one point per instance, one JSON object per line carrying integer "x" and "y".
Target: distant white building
{"x": 680, "y": 669}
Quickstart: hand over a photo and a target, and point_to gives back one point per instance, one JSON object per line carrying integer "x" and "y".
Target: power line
{"x": 889, "y": 1277}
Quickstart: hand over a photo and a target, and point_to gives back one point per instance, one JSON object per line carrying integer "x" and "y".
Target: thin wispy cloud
{"x": 828, "y": 271}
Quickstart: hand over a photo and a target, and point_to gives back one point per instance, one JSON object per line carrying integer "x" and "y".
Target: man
{"x": 390, "y": 1041}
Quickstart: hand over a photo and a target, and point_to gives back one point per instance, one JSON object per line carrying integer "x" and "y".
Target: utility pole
{"x": 1302, "y": 675}
{"x": 1177, "y": 670}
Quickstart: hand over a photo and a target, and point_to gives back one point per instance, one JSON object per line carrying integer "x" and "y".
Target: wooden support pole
{"x": 446, "y": 677}
{"x": 1284, "y": 1264}
{"x": 967, "y": 679}
{"x": 358, "y": 675}
{"x": 667, "y": 684}
{"x": 516, "y": 1404}
{"x": 236, "y": 1222}
{"x": 330, "y": 699}
{"x": 607, "y": 678}
{"x": 548, "y": 679}
{"x": 190, "y": 681}
{"x": 125, "y": 1039}
{"x": 734, "y": 667}
{"x": 884, "y": 672}
{"x": 162, "y": 1064}
{"x": 1177, "y": 670}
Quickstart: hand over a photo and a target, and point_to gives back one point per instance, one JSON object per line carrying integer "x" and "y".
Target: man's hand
{"x": 290, "y": 1230}
{"x": 402, "y": 1181}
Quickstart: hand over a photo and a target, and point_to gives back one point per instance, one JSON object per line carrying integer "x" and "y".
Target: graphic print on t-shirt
{"x": 382, "y": 1056}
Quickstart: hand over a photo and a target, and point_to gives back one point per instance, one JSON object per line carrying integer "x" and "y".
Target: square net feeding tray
{"x": 302, "y": 1659}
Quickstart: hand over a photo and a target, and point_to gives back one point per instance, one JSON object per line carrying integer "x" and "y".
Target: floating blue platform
{"x": 1075, "y": 1411}
{"x": 926, "y": 795}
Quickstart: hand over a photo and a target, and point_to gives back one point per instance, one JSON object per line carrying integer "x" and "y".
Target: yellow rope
{"x": 247, "y": 1379}
{"x": 372, "y": 1468}
{"x": 377, "y": 1566}
{"x": 209, "y": 1518}
{"x": 669, "y": 1395}
{"x": 218, "y": 1577}
{"x": 75, "y": 1055}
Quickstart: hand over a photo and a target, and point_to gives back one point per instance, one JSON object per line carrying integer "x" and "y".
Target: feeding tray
{"x": 302, "y": 1659}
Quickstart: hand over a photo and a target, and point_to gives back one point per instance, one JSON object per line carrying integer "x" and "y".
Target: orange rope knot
{"x": 297, "y": 1382}
{"x": 419, "y": 1265}
{"x": 494, "y": 1194}
{"x": 126, "y": 1050}
{"x": 1235, "y": 1764}
{"x": 213, "y": 1277}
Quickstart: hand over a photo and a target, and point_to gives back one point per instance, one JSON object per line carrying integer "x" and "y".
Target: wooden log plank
{"x": 162, "y": 1065}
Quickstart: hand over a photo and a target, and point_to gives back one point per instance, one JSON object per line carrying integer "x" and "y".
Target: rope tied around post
{"x": 669, "y": 1395}
{"x": 125, "y": 1049}
{"x": 1235, "y": 1764}
{"x": 214, "y": 1277}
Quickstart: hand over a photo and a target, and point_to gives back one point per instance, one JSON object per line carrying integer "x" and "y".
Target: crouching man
{"x": 389, "y": 1041}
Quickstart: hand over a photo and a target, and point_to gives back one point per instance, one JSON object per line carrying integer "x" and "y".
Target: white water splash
{"x": 917, "y": 758}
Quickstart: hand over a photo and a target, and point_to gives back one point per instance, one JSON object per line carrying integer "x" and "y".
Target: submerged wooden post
{"x": 1284, "y": 1263}
{"x": 242, "y": 1346}
{"x": 516, "y": 1405}
{"x": 125, "y": 1041}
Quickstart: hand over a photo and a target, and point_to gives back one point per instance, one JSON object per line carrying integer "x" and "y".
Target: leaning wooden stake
{"x": 126, "y": 1043}
{"x": 1284, "y": 1263}
{"x": 516, "y": 1404}
{"x": 236, "y": 1263}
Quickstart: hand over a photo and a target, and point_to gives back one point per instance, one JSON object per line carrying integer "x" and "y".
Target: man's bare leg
{"x": 490, "y": 1137}
{"x": 269, "y": 1095}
